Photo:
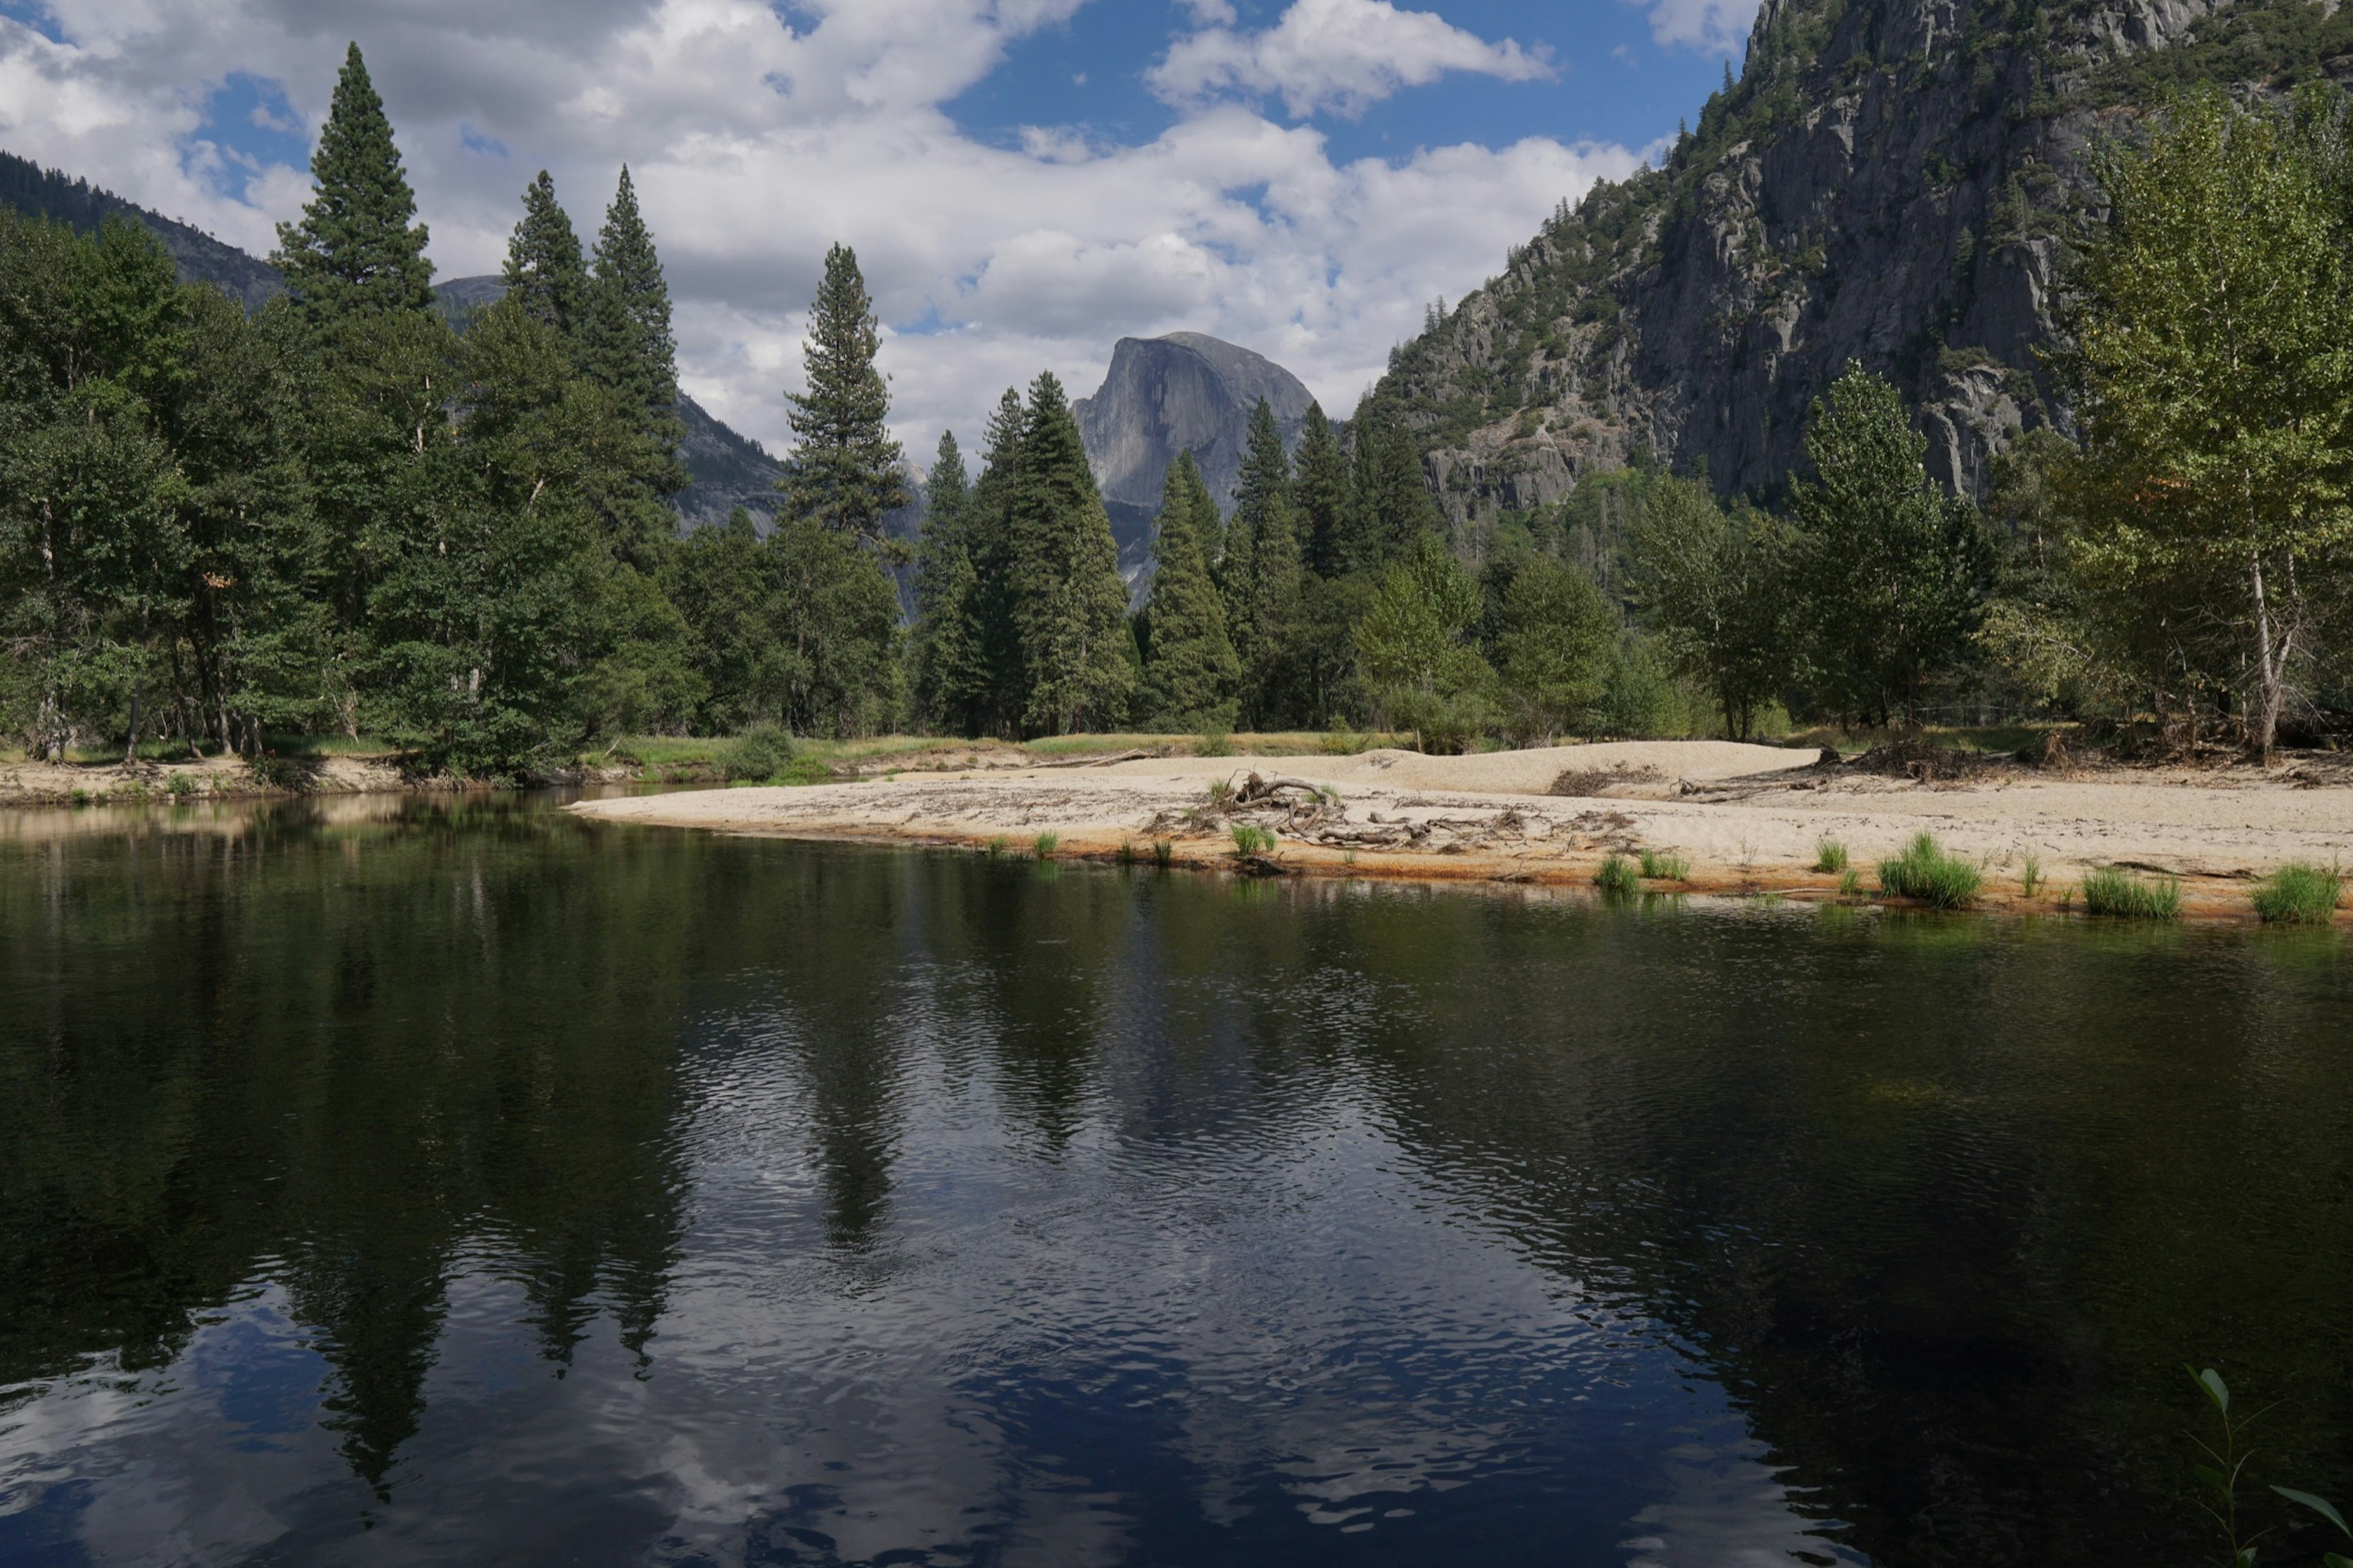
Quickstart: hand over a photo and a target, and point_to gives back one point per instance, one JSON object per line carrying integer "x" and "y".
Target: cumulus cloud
{"x": 757, "y": 139}
{"x": 1714, "y": 24}
{"x": 1335, "y": 56}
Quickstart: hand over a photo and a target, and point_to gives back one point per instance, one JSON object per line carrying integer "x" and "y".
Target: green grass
{"x": 1252, "y": 839}
{"x": 998, "y": 847}
{"x": 1661, "y": 868}
{"x": 1163, "y": 853}
{"x": 1829, "y": 855}
{"x": 1617, "y": 876}
{"x": 1850, "y": 883}
{"x": 2299, "y": 893}
{"x": 2113, "y": 891}
{"x": 1044, "y": 846}
{"x": 1125, "y": 854}
{"x": 1929, "y": 874}
{"x": 2029, "y": 875}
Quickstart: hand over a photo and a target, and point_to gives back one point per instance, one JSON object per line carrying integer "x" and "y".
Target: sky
{"x": 1025, "y": 182}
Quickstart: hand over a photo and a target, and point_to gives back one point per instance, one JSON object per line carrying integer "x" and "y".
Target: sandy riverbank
{"x": 1747, "y": 818}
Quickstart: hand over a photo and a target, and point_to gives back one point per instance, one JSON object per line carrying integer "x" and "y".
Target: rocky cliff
{"x": 1164, "y": 396}
{"x": 1889, "y": 181}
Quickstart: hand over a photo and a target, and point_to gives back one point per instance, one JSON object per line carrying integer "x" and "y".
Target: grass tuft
{"x": 1617, "y": 876}
{"x": 996, "y": 847}
{"x": 1929, "y": 874}
{"x": 1163, "y": 853}
{"x": 2029, "y": 875}
{"x": 1665, "y": 868}
{"x": 2113, "y": 891}
{"x": 1044, "y": 846}
{"x": 1850, "y": 883}
{"x": 1126, "y": 852}
{"x": 2299, "y": 893}
{"x": 1251, "y": 839}
{"x": 1829, "y": 855}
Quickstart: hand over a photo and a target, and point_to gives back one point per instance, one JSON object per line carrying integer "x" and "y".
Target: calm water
{"x": 420, "y": 1183}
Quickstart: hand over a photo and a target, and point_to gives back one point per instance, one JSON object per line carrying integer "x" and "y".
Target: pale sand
{"x": 1747, "y": 818}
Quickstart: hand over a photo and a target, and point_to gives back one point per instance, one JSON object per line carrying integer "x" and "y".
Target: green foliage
{"x": 1191, "y": 675}
{"x": 761, "y": 752}
{"x": 1617, "y": 878}
{"x": 1663, "y": 868}
{"x": 2029, "y": 875}
{"x": 1554, "y": 640}
{"x": 545, "y": 274}
{"x": 2110, "y": 891}
{"x": 1894, "y": 572}
{"x": 1249, "y": 839}
{"x": 1927, "y": 874}
{"x": 1068, "y": 603}
{"x": 357, "y": 249}
{"x": 1829, "y": 855}
{"x": 1414, "y": 642}
{"x": 2299, "y": 893}
{"x": 1045, "y": 845}
{"x": 1319, "y": 496}
{"x": 1163, "y": 853}
{"x": 1718, "y": 586}
{"x": 843, "y": 472}
{"x": 626, "y": 342}
{"x": 1850, "y": 883}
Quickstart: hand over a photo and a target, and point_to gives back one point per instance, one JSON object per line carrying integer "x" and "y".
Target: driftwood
{"x": 1140, "y": 754}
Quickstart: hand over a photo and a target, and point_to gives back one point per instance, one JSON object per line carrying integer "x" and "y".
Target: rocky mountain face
{"x": 1890, "y": 181}
{"x": 1165, "y": 396}
{"x": 81, "y": 206}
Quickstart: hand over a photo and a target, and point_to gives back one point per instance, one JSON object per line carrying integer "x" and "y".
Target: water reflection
{"x": 451, "y": 1181}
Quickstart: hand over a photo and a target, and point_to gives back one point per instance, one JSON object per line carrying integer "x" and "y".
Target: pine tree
{"x": 358, "y": 250}
{"x": 1190, "y": 672}
{"x": 948, "y": 668}
{"x": 544, "y": 273}
{"x": 844, "y": 468}
{"x": 1070, "y": 604}
{"x": 626, "y": 340}
{"x": 1320, "y": 497}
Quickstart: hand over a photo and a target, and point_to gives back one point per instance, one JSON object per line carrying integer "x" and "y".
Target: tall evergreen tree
{"x": 946, "y": 645}
{"x": 544, "y": 273}
{"x": 1393, "y": 507}
{"x": 1190, "y": 672}
{"x": 844, "y": 468}
{"x": 995, "y": 691}
{"x": 1070, "y": 603}
{"x": 358, "y": 250}
{"x": 1320, "y": 496}
{"x": 626, "y": 340}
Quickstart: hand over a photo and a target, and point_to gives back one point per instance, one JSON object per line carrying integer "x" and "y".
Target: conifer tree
{"x": 1190, "y": 672}
{"x": 843, "y": 470}
{"x": 1393, "y": 507}
{"x": 627, "y": 343}
{"x": 993, "y": 702}
{"x": 944, "y": 646}
{"x": 544, "y": 273}
{"x": 358, "y": 250}
{"x": 1320, "y": 497}
{"x": 1070, "y": 603}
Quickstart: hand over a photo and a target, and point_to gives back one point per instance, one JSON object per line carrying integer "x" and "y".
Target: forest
{"x": 343, "y": 515}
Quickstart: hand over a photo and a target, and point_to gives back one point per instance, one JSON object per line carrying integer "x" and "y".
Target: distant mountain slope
{"x": 1167, "y": 396}
{"x": 1889, "y": 181}
{"x": 49, "y": 193}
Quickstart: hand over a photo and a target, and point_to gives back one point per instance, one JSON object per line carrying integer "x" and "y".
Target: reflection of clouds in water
{"x": 1728, "y": 1511}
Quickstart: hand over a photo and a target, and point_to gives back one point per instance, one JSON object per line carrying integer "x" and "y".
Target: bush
{"x": 2112, "y": 891}
{"x": 1617, "y": 876}
{"x": 1665, "y": 868}
{"x": 761, "y": 752}
{"x": 1929, "y": 874}
{"x": 1252, "y": 839}
{"x": 180, "y": 785}
{"x": 1044, "y": 847}
{"x": 1829, "y": 855}
{"x": 2298, "y": 893}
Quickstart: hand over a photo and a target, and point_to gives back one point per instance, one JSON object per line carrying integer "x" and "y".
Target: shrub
{"x": 1252, "y": 839}
{"x": 2298, "y": 893}
{"x": 760, "y": 753}
{"x": 1929, "y": 874}
{"x": 1617, "y": 876}
{"x": 1215, "y": 741}
{"x": 1829, "y": 855}
{"x": 181, "y": 786}
{"x": 1665, "y": 868}
{"x": 1044, "y": 846}
{"x": 2113, "y": 891}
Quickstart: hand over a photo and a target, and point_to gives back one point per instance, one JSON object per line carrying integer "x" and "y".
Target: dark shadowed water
{"x": 406, "y": 1183}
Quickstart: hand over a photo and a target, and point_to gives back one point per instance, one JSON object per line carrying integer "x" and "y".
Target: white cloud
{"x": 1713, "y": 24}
{"x": 756, "y": 142}
{"x": 1340, "y": 55}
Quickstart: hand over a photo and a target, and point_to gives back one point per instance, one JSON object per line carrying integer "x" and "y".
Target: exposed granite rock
{"x": 1890, "y": 181}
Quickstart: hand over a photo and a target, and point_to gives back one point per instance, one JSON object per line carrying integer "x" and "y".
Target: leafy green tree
{"x": 1554, "y": 636}
{"x": 719, "y": 580}
{"x": 1415, "y": 645}
{"x": 1320, "y": 499}
{"x": 358, "y": 250}
{"x": 1070, "y": 605}
{"x": 544, "y": 272}
{"x": 1894, "y": 570}
{"x": 844, "y": 468}
{"x": 839, "y": 616}
{"x": 1190, "y": 672}
{"x": 2212, "y": 360}
{"x": 1717, "y": 586}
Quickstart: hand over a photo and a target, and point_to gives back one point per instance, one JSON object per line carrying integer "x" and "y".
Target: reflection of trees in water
{"x": 353, "y": 1051}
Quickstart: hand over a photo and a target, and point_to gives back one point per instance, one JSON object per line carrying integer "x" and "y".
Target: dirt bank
{"x": 1746, "y": 818}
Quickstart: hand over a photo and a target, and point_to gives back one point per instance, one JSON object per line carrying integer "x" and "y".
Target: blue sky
{"x": 1025, "y": 181}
